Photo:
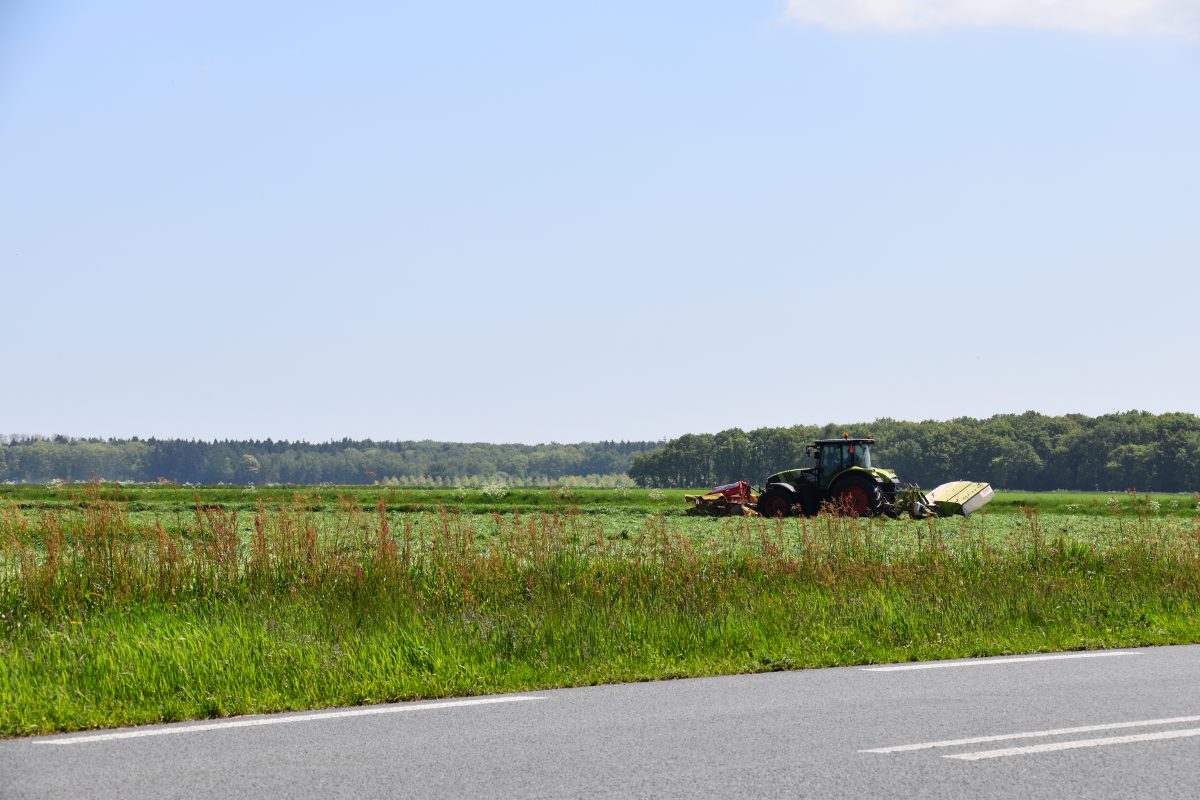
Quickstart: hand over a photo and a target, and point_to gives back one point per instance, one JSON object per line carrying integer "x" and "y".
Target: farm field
{"x": 132, "y": 604}
{"x": 173, "y": 498}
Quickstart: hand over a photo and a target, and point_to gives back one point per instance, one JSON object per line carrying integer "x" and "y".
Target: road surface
{"x": 1117, "y": 724}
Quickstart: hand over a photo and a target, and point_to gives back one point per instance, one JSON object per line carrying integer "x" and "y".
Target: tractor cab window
{"x": 832, "y": 457}
{"x": 860, "y": 455}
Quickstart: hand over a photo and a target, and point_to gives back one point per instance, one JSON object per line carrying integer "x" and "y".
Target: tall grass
{"x": 108, "y": 617}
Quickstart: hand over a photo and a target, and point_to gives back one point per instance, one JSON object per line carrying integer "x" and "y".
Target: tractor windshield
{"x": 836, "y": 457}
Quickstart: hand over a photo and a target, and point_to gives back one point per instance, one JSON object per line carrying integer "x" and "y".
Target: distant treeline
{"x": 1148, "y": 452}
{"x": 41, "y": 459}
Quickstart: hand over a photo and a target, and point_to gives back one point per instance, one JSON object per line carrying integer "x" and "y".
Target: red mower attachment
{"x": 729, "y": 500}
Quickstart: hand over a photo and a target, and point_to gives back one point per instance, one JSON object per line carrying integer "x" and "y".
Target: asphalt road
{"x": 1118, "y": 724}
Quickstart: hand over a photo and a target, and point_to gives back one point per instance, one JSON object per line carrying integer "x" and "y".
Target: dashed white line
{"x": 904, "y": 748}
{"x": 284, "y": 720}
{"x": 987, "y": 662}
{"x": 1075, "y": 744}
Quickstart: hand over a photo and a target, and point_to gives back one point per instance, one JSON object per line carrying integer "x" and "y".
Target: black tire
{"x": 859, "y": 496}
{"x": 810, "y": 502}
{"x": 776, "y": 504}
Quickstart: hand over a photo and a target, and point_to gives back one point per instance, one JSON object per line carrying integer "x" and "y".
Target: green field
{"x": 130, "y": 604}
{"x": 172, "y": 499}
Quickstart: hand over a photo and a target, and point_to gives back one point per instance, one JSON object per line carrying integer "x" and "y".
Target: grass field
{"x": 127, "y": 604}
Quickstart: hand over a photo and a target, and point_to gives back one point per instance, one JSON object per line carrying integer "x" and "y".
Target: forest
{"x": 1133, "y": 450}
{"x": 25, "y": 458}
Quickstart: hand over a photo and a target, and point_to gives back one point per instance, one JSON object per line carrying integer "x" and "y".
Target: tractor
{"x": 842, "y": 475}
{"x": 843, "y": 479}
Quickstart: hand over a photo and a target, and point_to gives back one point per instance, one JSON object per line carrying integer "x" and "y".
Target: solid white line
{"x": 904, "y": 748}
{"x": 1075, "y": 744}
{"x": 283, "y": 720}
{"x": 985, "y": 662}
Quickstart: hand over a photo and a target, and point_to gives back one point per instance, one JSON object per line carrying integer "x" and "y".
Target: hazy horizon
{"x": 8, "y": 437}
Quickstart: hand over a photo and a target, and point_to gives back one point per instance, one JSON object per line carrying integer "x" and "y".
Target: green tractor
{"x": 842, "y": 475}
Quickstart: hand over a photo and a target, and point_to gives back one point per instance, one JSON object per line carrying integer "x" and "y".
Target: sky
{"x": 545, "y": 221}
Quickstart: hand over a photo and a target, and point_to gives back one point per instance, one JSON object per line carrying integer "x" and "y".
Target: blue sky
{"x": 546, "y": 221}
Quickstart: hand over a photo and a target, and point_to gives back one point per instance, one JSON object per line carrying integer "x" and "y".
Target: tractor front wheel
{"x": 859, "y": 496}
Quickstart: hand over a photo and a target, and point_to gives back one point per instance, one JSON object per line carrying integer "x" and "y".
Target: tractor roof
{"x": 849, "y": 439}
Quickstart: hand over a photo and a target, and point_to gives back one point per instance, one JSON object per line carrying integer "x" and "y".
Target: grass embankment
{"x": 109, "y": 618}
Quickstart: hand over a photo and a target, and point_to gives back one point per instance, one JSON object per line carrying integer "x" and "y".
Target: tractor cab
{"x": 835, "y": 456}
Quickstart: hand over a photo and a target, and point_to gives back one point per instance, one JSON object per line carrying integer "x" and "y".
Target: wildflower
{"x": 494, "y": 489}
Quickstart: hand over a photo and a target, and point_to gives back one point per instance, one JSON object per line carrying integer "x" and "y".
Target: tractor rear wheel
{"x": 859, "y": 496}
{"x": 776, "y": 504}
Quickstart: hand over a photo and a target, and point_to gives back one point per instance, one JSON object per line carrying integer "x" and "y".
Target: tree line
{"x": 40, "y": 459}
{"x": 1147, "y": 452}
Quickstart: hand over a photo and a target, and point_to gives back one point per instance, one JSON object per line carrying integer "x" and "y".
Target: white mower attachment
{"x": 959, "y": 497}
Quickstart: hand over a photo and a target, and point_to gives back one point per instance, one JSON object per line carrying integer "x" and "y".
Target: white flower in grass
{"x": 494, "y": 489}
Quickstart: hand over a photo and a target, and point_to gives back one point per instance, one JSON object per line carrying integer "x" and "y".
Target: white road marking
{"x": 986, "y": 662}
{"x": 282, "y": 720}
{"x": 904, "y": 748}
{"x": 1076, "y": 743}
